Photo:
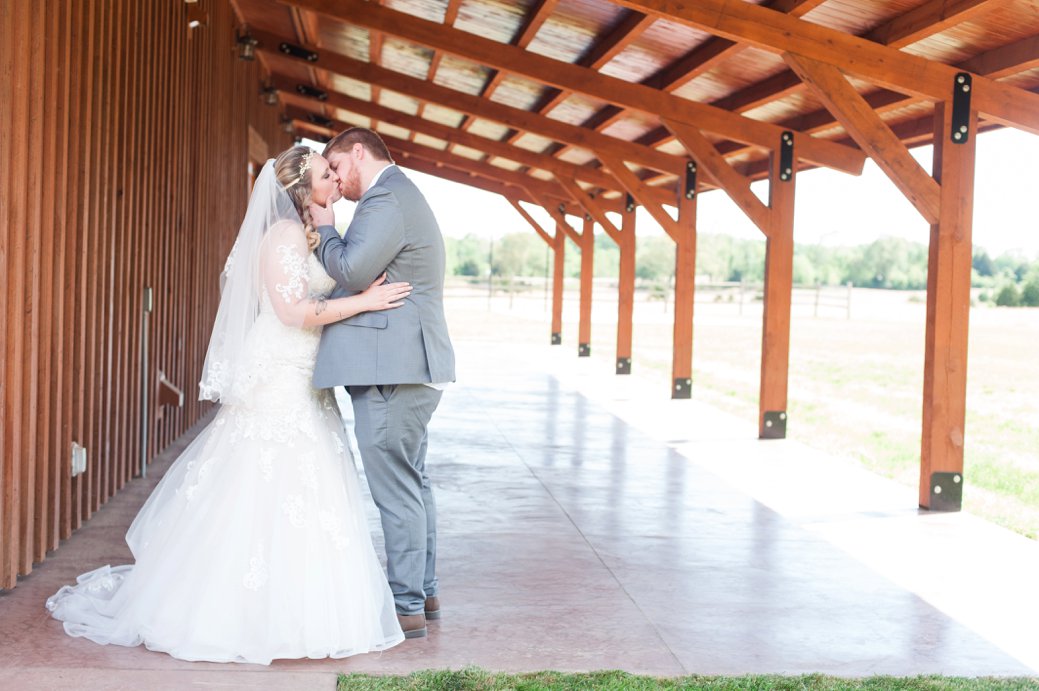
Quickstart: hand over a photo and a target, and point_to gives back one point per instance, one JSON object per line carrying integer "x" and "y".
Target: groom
{"x": 394, "y": 364}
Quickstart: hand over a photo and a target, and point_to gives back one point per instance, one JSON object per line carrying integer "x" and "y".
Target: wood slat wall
{"x": 124, "y": 140}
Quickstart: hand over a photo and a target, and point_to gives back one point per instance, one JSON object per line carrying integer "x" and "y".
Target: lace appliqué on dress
{"x": 257, "y": 575}
{"x": 295, "y": 268}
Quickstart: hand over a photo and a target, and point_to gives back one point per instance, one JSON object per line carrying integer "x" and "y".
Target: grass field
{"x": 855, "y": 382}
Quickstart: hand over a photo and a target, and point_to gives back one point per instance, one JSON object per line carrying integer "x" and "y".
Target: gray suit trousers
{"x": 390, "y": 425}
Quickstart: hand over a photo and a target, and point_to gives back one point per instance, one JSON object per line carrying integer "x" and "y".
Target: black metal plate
{"x": 297, "y": 52}
{"x": 584, "y": 350}
{"x": 775, "y": 425}
{"x": 557, "y": 338}
{"x": 683, "y": 388}
{"x": 961, "y": 91}
{"x": 946, "y": 491}
{"x": 786, "y": 156}
{"x": 690, "y": 179}
{"x": 624, "y": 365}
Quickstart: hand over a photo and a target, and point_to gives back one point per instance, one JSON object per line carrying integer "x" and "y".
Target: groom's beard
{"x": 351, "y": 185}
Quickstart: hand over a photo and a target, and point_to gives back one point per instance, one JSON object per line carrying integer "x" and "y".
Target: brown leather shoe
{"x": 413, "y": 625}
{"x": 432, "y": 607}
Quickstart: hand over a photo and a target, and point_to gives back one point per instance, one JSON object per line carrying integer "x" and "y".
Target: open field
{"x": 855, "y": 383}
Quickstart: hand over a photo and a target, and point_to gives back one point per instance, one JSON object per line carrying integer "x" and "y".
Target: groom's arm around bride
{"x": 392, "y": 363}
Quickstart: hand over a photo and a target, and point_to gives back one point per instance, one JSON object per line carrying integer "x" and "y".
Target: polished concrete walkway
{"x": 589, "y": 523}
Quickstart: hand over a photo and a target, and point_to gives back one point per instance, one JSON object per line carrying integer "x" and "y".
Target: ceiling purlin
{"x": 994, "y": 64}
{"x": 905, "y": 29}
{"x": 537, "y": 16}
{"x": 475, "y": 106}
{"x": 691, "y": 65}
{"x": 450, "y": 15}
{"x": 881, "y": 65}
{"x": 490, "y": 147}
{"x": 583, "y": 80}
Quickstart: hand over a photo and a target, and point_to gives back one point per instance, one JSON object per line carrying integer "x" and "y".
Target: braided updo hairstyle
{"x": 286, "y": 169}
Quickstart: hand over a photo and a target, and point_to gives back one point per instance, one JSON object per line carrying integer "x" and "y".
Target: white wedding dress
{"x": 254, "y": 546}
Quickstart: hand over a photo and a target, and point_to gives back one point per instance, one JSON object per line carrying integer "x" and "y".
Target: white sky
{"x": 832, "y": 208}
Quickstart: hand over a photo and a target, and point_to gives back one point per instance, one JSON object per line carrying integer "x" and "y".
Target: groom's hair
{"x": 367, "y": 138}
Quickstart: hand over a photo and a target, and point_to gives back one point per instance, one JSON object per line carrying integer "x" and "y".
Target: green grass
{"x": 473, "y": 679}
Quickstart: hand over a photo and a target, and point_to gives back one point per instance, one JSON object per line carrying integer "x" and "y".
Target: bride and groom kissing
{"x": 255, "y": 546}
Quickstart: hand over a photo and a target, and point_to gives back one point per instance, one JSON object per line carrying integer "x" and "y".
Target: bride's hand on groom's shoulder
{"x": 381, "y": 295}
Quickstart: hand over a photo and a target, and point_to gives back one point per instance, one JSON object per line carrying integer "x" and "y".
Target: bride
{"x": 254, "y": 546}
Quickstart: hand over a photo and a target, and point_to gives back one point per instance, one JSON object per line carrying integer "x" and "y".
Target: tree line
{"x": 1010, "y": 279}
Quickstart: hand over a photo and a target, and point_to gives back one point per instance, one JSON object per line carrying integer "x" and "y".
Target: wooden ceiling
{"x": 516, "y": 97}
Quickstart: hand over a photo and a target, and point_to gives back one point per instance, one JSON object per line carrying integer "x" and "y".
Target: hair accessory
{"x": 304, "y": 166}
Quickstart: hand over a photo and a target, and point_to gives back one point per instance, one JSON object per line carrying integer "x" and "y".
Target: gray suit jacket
{"x": 393, "y": 230}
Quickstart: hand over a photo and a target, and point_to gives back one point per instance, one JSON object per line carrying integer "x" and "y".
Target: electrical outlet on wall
{"x": 79, "y": 459}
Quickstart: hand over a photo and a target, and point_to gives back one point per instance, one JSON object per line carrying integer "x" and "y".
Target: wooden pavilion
{"x": 128, "y": 131}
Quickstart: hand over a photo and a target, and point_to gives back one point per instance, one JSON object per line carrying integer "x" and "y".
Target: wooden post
{"x": 626, "y": 288}
{"x": 948, "y": 309}
{"x": 558, "y": 265}
{"x": 584, "y": 327}
{"x": 779, "y": 272}
{"x": 685, "y": 275}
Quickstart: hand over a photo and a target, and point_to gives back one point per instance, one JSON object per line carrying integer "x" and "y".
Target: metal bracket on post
{"x": 690, "y": 179}
{"x": 584, "y": 350}
{"x": 775, "y": 425}
{"x": 946, "y": 491}
{"x": 297, "y": 52}
{"x": 557, "y": 338}
{"x": 683, "y": 388}
{"x": 624, "y": 365}
{"x": 629, "y": 203}
{"x": 311, "y": 92}
{"x": 786, "y": 156}
{"x": 961, "y": 108}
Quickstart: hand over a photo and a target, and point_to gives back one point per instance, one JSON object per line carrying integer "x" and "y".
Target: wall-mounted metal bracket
{"x": 946, "y": 491}
{"x": 310, "y": 92}
{"x": 961, "y": 108}
{"x": 690, "y": 179}
{"x": 584, "y": 350}
{"x": 683, "y": 388}
{"x": 624, "y": 365}
{"x": 786, "y": 156}
{"x": 775, "y": 425}
{"x": 320, "y": 120}
{"x": 297, "y": 52}
{"x": 557, "y": 338}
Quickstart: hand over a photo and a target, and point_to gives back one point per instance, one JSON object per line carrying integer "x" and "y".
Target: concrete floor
{"x": 588, "y": 523}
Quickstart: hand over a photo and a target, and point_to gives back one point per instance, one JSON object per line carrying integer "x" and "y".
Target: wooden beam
{"x": 685, "y": 299}
{"x": 626, "y": 290}
{"x": 870, "y": 132}
{"x": 638, "y": 190}
{"x": 712, "y": 162}
{"x": 928, "y": 19}
{"x": 778, "y": 293}
{"x": 591, "y": 206}
{"x": 582, "y": 80}
{"x": 948, "y": 314}
{"x": 558, "y": 265}
{"x": 452, "y": 135}
{"x": 515, "y": 201}
{"x": 776, "y": 32}
{"x": 556, "y": 130}
{"x": 584, "y": 325}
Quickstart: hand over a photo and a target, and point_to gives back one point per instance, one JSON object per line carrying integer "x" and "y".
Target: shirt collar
{"x": 378, "y": 175}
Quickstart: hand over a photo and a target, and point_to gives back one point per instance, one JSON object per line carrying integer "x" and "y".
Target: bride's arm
{"x": 284, "y": 274}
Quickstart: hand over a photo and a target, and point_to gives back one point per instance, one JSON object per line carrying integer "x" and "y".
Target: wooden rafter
{"x": 453, "y": 135}
{"x": 869, "y": 131}
{"x": 637, "y": 189}
{"x": 896, "y": 33}
{"x": 694, "y": 63}
{"x": 885, "y": 66}
{"x": 450, "y": 15}
{"x": 474, "y": 105}
{"x": 565, "y": 75}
